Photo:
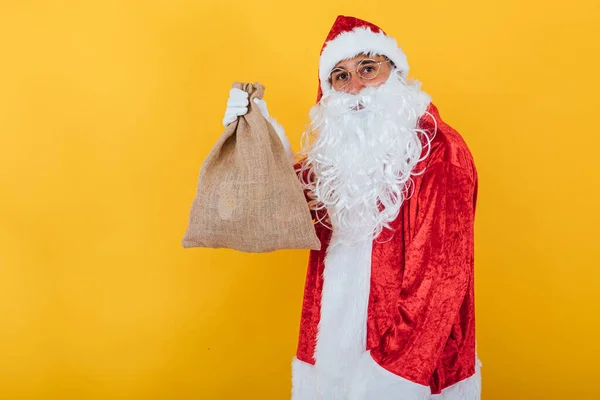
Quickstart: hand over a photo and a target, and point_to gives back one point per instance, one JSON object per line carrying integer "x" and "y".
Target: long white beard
{"x": 362, "y": 159}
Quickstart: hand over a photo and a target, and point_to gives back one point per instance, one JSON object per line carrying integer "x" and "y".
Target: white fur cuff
{"x": 371, "y": 381}
{"x": 304, "y": 381}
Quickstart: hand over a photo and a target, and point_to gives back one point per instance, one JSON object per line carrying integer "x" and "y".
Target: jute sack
{"x": 249, "y": 197}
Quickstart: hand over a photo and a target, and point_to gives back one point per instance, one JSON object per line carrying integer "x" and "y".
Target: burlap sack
{"x": 249, "y": 197}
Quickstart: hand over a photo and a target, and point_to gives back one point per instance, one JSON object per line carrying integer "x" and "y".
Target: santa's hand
{"x": 237, "y": 105}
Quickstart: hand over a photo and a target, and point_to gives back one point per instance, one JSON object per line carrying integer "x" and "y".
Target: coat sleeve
{"x": 438, "y": 268}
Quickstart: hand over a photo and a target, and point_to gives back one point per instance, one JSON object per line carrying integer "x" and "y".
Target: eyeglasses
{"x": 367, "y": 69}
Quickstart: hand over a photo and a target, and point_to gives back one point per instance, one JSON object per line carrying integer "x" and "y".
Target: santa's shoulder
{"x": 446, "y": 143}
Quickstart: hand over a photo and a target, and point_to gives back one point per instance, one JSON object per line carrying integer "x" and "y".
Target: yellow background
{"x": 108, "y": 108}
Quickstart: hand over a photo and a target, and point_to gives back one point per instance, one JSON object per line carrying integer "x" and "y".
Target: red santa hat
{"x": 351, "y": 36}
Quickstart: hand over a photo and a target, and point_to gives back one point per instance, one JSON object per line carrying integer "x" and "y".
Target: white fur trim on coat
{"x": 304, "y": 384}
{"x": 304, "y": 381}
{"x": 359, "y": 40}
{"x": 342, "y": 334}
{"x": 371, "y": 381}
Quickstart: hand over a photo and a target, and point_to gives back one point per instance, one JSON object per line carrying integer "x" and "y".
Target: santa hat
{"x": 351, "y": 36}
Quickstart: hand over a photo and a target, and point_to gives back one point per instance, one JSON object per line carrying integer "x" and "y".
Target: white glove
{"x": 237, "y": 105}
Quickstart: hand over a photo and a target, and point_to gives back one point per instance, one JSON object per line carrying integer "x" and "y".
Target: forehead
{"x": 351, "y": 62}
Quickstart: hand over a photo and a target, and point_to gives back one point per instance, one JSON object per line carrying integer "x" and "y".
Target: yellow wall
{"x": 107, "y": 109}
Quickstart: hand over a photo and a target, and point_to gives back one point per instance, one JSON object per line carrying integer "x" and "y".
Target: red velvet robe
{"x": 421, "y": 316}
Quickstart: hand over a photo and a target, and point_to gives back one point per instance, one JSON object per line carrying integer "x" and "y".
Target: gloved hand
{"x": 237, "y": 105}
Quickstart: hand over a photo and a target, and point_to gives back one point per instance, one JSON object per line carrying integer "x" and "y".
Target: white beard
{"x": 362, "y": 159}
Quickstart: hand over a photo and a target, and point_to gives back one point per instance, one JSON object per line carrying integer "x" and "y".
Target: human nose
{"x": 355, "y": 85}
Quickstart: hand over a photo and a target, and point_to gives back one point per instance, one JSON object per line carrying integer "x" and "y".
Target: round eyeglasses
{"x": 367, "y": 69}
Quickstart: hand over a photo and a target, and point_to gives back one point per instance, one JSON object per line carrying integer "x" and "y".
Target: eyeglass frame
{"x": 357, "y": 73}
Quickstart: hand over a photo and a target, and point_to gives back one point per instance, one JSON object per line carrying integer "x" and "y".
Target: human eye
{"x": 340, "y": 75}
{"x": 368, "y": 68}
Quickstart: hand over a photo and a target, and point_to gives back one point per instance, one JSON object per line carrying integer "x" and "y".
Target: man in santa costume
{"x": 388, "y": 310}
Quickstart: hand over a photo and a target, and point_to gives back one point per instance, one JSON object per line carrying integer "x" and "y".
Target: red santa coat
{"x": 417, "y": 334}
